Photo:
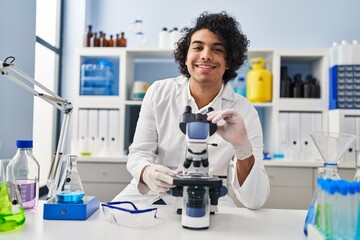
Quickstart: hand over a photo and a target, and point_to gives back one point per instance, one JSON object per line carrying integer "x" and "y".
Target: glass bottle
{"x": 110, "y": 42}
{"x": 71, "y": 189}
{"x": 12, "y": 214}
{"x": 23, "y": 172}
{"x": 87, "y": 36}
{"x": 122, "y": 40}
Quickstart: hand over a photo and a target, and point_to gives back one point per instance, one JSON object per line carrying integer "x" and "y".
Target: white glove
{"x": 158, "y": 178}
{"x": 233, "y": 131}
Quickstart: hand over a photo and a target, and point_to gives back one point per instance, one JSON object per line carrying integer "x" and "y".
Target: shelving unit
{"x": 152, "y": 64}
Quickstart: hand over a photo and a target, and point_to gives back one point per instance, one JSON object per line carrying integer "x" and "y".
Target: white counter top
{"x": 228, "y": 223}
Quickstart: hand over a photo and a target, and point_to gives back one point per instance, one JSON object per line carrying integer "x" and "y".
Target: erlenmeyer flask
{"x": 332, "y": 146}
{"x": 70, "y": 189}
{"x": 12, "y": 214}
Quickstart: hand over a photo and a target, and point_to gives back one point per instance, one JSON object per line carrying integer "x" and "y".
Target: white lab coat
{"x": 158, "y": 139}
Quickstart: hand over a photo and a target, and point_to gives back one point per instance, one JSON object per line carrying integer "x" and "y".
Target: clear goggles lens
{"x": 125, "y": 213}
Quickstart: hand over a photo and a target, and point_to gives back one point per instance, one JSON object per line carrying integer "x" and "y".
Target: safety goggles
{"x": 125, "y": 213}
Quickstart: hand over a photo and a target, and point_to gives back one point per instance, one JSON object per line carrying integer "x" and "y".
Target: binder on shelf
{"x": 350, "y": 128}
{"x": 283, "y": 136}
{"x": 305, "y": 142}
{"x": 83, "y": 138}
{"x": 103, "y": 132}
{"x": 93, "y": 131}
{"x": 294, "y": 135}
{"x": 114, "y": 148}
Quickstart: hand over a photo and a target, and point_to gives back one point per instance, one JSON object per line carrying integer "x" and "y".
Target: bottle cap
{"x": 24, "y": 143}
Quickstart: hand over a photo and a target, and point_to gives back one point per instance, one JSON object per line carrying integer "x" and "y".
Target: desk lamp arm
{"x": 19, "y": 77}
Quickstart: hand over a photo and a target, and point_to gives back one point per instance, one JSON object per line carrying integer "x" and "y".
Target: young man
{"x": 208, "y": 56}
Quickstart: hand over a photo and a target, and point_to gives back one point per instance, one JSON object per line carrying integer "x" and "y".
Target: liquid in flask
{"x": 70, "y": 189}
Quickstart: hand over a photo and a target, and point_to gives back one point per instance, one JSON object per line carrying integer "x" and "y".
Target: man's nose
{"x": 206, "y": 54}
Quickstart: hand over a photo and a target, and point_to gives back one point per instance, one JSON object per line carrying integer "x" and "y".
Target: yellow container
{"x": 258, "y": 82}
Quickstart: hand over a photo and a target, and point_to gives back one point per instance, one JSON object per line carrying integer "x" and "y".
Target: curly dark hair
{"x": 227, "y": 29}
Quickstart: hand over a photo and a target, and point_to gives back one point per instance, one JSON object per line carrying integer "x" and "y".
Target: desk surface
{"x": 228, "y": 223}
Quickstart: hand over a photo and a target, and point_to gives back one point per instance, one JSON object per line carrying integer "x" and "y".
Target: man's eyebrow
{"x": 214, "y": 44}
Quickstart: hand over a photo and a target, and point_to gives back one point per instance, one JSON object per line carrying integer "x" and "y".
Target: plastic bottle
{"x": 345, "y": 54}
{"x": 23, "y": 172}
{"x": 334, "y": 54}
{"x": 175, "y": 35}
{"x": 258, "y": 82}
{"x": 239, "y": 86}
{"x": 286, "y": 84}
{"x": 356, "y": 52}
{"x": 164, "y": 38}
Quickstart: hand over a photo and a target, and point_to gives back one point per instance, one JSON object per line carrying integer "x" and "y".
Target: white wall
{"x": 17, "y": 38}
{"x": 268, "y": 24}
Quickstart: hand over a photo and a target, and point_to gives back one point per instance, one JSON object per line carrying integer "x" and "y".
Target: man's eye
{"x": 219, "y": 50}
{"x": 197, "y": 48}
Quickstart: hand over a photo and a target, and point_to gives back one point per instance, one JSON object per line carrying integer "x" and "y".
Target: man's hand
{"x": 158, "y": 178}
{"x": 233, "y": 131}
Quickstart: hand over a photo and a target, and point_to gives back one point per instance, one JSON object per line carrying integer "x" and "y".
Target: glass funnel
{"x": 332, "y": 146}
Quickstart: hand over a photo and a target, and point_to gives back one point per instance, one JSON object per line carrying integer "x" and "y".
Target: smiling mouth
{"x": 205, "y": 66}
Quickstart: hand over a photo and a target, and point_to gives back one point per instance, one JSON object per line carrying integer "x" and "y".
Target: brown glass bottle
{"x": 103, "y": 41}
{"x": 122, "y": 40}
{"x": 117, "y": 40}
{"x": 94, "y": 40}
{"x": 110, "y": 42}
{"x": 87, "y": 36}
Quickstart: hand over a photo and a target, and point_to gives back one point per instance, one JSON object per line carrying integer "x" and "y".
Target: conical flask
{"x": 70, "y": 188}
{"x": 332, "y": 146}
{"x": 12, "y": 214}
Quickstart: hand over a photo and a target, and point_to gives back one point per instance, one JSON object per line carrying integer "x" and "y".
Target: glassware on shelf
{"x": 332, "y": 146}
{"x": 70, "y": 189}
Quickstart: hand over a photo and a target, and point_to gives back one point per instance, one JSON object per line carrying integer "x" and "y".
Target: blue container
{"x": 97, "y": 78}
{"x": 344, "y": 87}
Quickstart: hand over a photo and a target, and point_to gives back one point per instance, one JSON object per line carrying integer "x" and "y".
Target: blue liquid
{"x": 70, "y": 197}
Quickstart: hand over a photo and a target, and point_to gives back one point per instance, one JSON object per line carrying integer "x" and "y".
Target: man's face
{"x": 205, "y": 59}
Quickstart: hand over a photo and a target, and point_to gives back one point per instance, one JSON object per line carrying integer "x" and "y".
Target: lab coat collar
{"x": 183, "y": 95}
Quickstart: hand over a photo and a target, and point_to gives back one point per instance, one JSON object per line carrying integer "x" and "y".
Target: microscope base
{"x": 54, "y": 210}
{"x": 195, "y": 222}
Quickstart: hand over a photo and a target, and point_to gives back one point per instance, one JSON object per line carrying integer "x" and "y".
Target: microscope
{"x": 197, "y": 191}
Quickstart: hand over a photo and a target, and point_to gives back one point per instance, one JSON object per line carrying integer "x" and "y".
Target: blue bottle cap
{"x": 24, "y": 143}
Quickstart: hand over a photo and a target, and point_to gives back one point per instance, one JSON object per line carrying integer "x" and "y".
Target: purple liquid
{"x": 29, "y": 191}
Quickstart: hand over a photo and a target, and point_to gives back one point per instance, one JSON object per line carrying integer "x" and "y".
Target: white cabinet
{"x": 103, "y": 179}
{"x": 290, "y": 187}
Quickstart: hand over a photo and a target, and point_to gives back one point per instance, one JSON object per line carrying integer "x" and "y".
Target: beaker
{"x": 70, "y": 188}
{"x": 332, "y": 146}
{"x": 12, "y": 214}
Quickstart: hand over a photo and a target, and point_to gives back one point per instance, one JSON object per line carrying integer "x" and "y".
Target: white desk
{"x": 228, "y": 223}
